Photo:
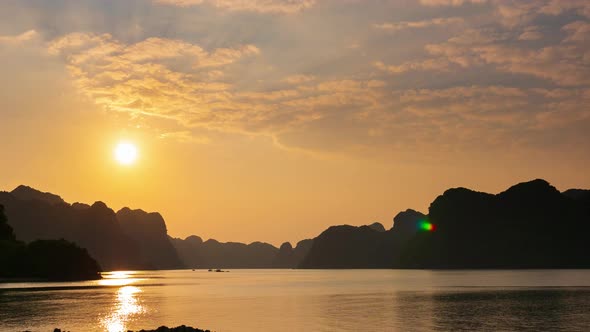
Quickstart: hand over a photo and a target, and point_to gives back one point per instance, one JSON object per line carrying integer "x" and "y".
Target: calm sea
{"x": 305, "y": 300}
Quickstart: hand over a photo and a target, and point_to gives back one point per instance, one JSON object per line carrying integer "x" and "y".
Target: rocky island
{"x": 45, "y": 260}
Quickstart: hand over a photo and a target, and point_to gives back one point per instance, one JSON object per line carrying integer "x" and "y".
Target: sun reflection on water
{"x": 127, "y": 305}
{"x": 118, "y": 278}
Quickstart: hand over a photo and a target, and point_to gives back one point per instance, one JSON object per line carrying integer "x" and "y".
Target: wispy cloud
{"x": 450, "y": 2}
{"x": 438, "y": 64}
{"x": 531, "y": 33}
{"x": 135, "y": 78}
{"x": 563, "y": 63}
{"x": 578, "y": 32}
{"x": 299, "y": 79}
{"x": 20, "y": 38}
{"x": 404, "y": 25}
{"x": 261, "y": 6}
{"x": 140, "y": 79}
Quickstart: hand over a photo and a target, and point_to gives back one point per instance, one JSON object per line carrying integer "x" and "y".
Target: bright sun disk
{"x": 125, "y": 153}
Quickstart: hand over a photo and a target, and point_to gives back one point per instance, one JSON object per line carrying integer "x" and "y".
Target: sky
{"x": 271, "y": 120}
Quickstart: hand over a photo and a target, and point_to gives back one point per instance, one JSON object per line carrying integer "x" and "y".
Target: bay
{"x": 305, "y": 300}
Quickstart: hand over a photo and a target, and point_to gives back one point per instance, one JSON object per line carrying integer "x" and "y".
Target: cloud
{"x": 517, "y": 10}
{"x": 299, "y": 79}
{"x": 515, "y": 13}
{"x": 419, "y": 65}
{"x": 185, "y": 136}
{"x": 562, "y": 63}
{"x": 518, "y": 13}
{"x": 531, "y": 33}
{"x": 578, "y": 32}
{"x": 557, "y": 7}
{"x": 136, "y": 79}
{"x": 19, "y": 39}
{"x": 260, "y": 6}
{"x": 81, "y": 47}
{"x": 491, "y": 116}
{"x": 404, "y": 25}
{"x": 500, "y": 73}
{"x": 454, "y": 3}
{"x": 174, "y": 80}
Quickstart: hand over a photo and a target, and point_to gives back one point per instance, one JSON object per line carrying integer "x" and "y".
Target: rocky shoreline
{"x": 181, "y": 328}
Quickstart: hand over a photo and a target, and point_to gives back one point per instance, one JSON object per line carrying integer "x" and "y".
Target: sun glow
{"x": 126, "y": 153}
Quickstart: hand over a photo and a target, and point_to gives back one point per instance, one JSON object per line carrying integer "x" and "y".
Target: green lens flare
{"x": 426, "y": 226}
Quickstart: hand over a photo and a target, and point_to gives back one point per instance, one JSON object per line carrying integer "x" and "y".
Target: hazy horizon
{"x": 273, "y": 120}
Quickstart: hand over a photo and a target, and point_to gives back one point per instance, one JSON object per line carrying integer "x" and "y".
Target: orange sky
{"x": 272, "y": 120}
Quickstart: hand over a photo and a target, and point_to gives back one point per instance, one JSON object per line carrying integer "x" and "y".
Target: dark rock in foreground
{"x": 57, "y": 260}
{"x": 181, "y": 328}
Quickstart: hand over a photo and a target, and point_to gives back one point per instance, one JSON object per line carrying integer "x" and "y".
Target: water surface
{"x": 305, "y": 300}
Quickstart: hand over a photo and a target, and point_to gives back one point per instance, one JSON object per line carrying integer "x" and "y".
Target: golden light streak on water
{"x": 126, "y": 306}
{"x": 118, "y": 278}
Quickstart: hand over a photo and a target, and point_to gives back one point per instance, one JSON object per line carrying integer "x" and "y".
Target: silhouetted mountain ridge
{"x": 196, "y": 253}
{"x": 530, "y": 225}
{"x": 405, "y": 222}
{"x": 215, "y": 254}
{"x": 23, "y": 192}
{"x": 347, "y": 246}
{"x": 289, "y": 257}
{"x": 377, "y": 226}
{"x": 578, "y": 194}
{"x": 140, "y": 242}
{"x": 149, "y": 232}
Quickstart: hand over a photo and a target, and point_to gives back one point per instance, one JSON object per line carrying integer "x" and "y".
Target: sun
{"x": 126, "y": 153}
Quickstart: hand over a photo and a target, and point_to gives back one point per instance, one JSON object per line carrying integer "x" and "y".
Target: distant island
{"x": 530, "y": 225}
